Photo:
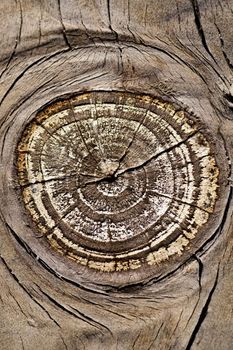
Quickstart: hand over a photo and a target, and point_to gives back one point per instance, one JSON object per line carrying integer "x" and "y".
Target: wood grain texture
{"x": 120, "y": 183}
{"x": 179, "y": 50}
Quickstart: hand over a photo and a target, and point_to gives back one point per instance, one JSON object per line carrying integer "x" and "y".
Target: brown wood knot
{"x": 121, "y": 184}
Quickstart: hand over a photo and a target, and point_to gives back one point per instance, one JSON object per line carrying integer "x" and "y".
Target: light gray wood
{"x": 181, "y": 49}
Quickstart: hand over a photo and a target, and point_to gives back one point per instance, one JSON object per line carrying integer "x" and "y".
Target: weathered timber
{"x": 116, "y": 147}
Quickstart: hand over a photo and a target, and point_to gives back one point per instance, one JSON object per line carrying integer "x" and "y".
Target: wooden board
{"x": 179, "y": 52}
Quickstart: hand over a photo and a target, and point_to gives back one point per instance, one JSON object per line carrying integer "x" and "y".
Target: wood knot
{"x": 121, "y": 185}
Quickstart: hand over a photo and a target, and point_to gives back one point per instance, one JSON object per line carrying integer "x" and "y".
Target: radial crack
{"x": 178, "y": 200}
{"x": 57, "y": 178}
{"x": 80, "y": 132}
{"x": 154, "y": 156}
{"x": 132, "y": 140}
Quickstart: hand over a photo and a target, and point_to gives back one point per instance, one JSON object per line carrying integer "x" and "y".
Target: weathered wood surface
{"x": 177, "y": 49}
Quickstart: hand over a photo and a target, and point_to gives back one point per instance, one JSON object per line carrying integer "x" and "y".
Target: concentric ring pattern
{"x": 116, "y": 181}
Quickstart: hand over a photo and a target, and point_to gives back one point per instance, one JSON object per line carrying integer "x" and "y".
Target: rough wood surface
{"x": 179, "y": 52}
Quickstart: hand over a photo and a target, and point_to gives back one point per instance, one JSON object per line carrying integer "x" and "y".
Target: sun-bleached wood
{"x": 180, "y": 50}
